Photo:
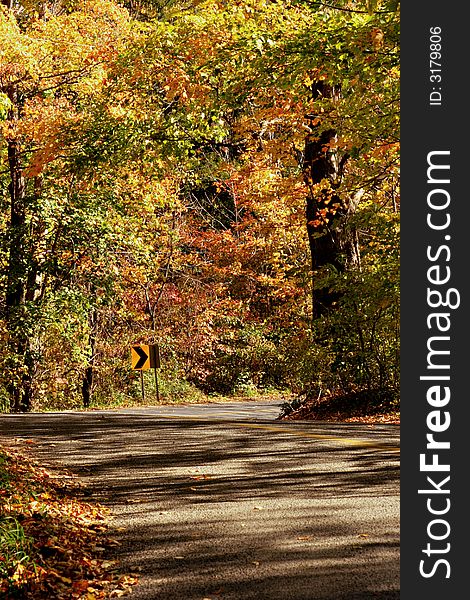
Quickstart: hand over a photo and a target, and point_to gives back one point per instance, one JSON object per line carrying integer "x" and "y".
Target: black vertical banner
{"x": 435, "y": 435}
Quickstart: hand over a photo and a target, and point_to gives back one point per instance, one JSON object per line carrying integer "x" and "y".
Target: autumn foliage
{"x": 51, "y": 540}
{"x": 217, "y": 177}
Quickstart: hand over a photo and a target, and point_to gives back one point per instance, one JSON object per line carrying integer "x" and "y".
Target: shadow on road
{"x": 222, "y": 511}
{"x": 99, "y": 447}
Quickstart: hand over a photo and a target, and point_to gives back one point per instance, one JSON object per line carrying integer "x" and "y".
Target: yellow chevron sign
{"x": 145, "y": 356}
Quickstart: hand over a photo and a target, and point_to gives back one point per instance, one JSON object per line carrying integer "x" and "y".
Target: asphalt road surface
{"x": 223, "y": 502}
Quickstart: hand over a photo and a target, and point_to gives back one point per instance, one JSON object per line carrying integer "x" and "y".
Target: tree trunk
{"x": 22, "y": 277}
{"x": 87, "y": 383}
{"x": 332, "y": 238}
{"x": 20, "y": 386}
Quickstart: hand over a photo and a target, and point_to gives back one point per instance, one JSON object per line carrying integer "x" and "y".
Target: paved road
{"x": 222, "y": 502}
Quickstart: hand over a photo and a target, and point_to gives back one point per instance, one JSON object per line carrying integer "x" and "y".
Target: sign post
{"x": 155, "y": 359}
{"x": 142, "y": 385}
{"x": 143, "y": 358}
{"x": 156, "y": 386}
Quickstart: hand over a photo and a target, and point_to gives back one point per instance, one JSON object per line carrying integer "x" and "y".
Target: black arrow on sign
{"x": 143, "y": 357}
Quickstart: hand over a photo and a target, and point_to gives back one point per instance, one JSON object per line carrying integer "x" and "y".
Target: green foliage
{"x": 16, "y": 548}
{"x": 356, "y": 346}
{"x": 5, "y": 106}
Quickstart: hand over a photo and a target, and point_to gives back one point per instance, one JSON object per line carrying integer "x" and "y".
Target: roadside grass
{"x": 176, "y": 397}
{"x": 16, "y": 550}
{"x": 52, "y": 543}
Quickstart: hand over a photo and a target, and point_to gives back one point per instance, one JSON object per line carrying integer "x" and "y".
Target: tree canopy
{"x": 220, "y": 178}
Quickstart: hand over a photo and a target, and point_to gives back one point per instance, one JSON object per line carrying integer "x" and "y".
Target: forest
{"x": 218, "y": 177}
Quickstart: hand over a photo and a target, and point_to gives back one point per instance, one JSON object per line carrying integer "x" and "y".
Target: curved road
{"x": 223, "y": 502}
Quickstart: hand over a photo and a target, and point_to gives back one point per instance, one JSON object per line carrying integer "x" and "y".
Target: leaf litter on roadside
{"x": 53, "y": 544}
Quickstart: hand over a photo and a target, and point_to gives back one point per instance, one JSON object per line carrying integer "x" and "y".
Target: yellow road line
{"x": 297, "y": 432}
